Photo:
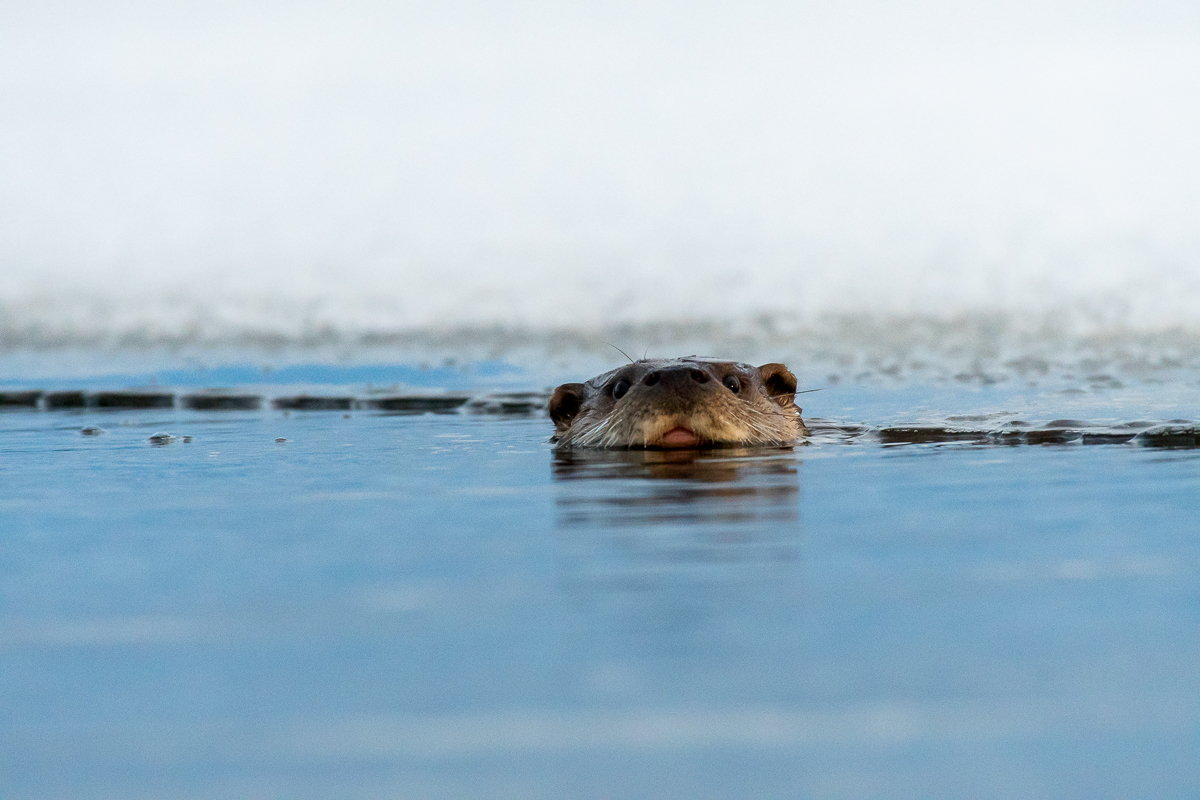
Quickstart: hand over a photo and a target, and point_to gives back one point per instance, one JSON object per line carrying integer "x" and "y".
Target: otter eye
{"x": 732, "y": 383}
{"x": 620, "y": 388}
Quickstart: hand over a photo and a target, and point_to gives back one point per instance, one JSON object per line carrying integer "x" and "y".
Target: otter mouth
{"x": 679, "y": 436}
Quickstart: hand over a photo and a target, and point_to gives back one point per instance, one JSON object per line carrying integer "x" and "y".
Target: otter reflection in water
{"x": 679, "y": 403}
{"x": 631, "y": 514}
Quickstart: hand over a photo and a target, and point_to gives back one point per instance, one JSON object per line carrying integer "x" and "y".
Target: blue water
{"x": 442, "y": 606}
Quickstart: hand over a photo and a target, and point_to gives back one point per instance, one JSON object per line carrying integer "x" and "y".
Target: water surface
{"x": 420, "y": 605}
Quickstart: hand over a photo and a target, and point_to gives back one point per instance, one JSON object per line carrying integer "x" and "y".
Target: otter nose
{"x": 676, "y": 376}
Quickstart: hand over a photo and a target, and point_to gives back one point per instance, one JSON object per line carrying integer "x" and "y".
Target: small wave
{"x": 971, "y": 429}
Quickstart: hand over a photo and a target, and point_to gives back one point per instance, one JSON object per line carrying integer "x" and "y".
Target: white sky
{"x": 541, "y": 163}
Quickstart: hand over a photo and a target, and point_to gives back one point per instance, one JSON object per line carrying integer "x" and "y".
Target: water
{"x": 971, "y": 226}
{"x": 419, "y": 605}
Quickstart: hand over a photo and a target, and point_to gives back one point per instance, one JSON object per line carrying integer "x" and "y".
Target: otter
{"x": 679, "y": 403}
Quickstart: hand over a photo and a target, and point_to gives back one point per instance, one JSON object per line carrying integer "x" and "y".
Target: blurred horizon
{"x": 212, "y": 173}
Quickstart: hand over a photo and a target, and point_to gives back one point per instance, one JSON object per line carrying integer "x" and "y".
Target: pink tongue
{"x": 680, "y": 437}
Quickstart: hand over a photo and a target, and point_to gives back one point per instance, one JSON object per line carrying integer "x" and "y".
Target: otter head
{"x": 686, "y": 402}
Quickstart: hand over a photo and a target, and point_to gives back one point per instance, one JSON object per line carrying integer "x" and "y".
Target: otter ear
{"x": 566, "y": 403}
{"x": 780, "y": 383}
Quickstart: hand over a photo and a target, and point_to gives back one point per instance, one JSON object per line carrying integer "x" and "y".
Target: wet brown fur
{"x": 691, "y": 393}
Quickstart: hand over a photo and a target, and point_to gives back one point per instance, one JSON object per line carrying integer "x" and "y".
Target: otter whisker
{"x": 622, "y": 352}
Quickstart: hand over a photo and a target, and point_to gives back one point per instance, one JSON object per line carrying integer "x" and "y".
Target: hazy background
{"x": 199, "y": 170}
